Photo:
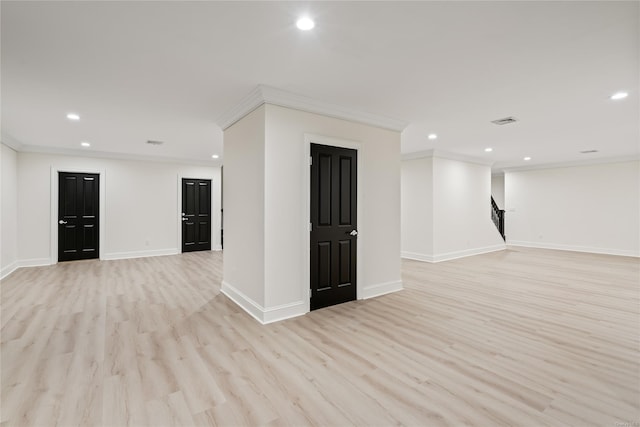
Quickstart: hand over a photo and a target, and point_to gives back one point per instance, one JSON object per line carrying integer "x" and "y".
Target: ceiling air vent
{"x": 505, "y": 121}
{"x": 152, "y": 142}
{"x": 588, "y": 151}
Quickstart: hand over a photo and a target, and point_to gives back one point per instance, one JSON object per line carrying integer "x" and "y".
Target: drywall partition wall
{"x": 244, "y": 183}
{"x": 9, "y": 211}
{"x": 266, "y": 197}
{"x": 417, "y": 208}
{"x": 593, "y": 208}
{"x": 141, "y": 206}
{"x": 462, "y": 210}
{"x": 288, "y": 134}
{"x": 497, "y": 189}
{"x": 446, "y": 208}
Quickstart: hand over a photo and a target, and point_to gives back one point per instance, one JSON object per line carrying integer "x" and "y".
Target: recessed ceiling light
{"x": 215, "y": 156}
{"x": 73, "y": 116}
{"x": 527, "y": 158}
{"x": 432, "y": 136}
{"x": 619, "y": 95}
{"x": 488, "y": 149}
{"x": 85, "y": 144}
{"x": 305, "y": 23}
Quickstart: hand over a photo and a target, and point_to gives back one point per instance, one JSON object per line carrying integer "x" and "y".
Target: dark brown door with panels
{"x": 333, "y": 225}
{"x": 196, "y": 215}
{"x": 78, "y": 216}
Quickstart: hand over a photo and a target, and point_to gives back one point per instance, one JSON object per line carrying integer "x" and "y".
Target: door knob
{"x": 353, "y": 233}
{"x": 185, "y": 219}
{"x": 62, "y": 221}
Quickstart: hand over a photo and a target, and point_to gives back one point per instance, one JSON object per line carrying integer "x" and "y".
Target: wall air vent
{"x": 152, "y": 142}
{"x": 505, "y": 121}
{"x": 588, "y": 151}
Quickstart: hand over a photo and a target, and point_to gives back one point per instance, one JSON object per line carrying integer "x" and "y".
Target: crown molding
{"x": 115, "y": 156}
{"x": 439, "y": 154}
{"x": 269, "y": 95}
{"x": 11, "y": 142}
{"x": 576, "y": 163}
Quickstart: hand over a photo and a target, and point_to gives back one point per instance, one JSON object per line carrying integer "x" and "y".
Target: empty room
{"x": 370, "y": 213}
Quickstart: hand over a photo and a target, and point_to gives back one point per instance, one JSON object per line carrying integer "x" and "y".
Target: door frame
{"x": 215, "y": 216}
{"x": 54, "y": 209}
{"x": 335, "y": 142}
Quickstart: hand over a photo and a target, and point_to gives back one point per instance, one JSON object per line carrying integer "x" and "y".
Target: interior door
{"x": 78, "y": 219}
{"x": 333, "y": 225}
{"x": 196, "y": 215}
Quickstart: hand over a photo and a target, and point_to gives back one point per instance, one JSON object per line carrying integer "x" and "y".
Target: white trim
{"x": 270, "y": 95}
{"x": 216, "y": 248}
{"x": 574, "y": 248}
{"x": 74, "y": 152}
{"x": 439, "y": 154}
{"x": 257, "y": 311}
{"x": 306, "y": 241}
{"x": 34, "y": 262}
{"x": 452, "y": 255}
{"x": 575, "y": 163}
{"x": 247, "y": 304}
{"x": 379, "y": 289}
{"x": 284, "y": 311}
{"x": 140, "y": 254}
{"x": 11, "y": 142}
{"x": 8, "y": 270}
{"x": 53, "y": 254}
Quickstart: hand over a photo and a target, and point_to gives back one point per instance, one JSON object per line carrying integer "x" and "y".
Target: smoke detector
{"x": 152, "y": 142}
{"x": 505, "y": 121}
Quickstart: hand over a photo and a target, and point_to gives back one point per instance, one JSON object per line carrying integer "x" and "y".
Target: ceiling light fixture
{"x": 619, "y": 95}
{"x": 488, "y": 150}
{"x": 305, "y": 23}
{"x": 215, "y": 156}
{"x": 73, "y": 116}
{"x": 85, "y": 144}
{"x": 526, "y": 159}
{"x": 432, "y": 136}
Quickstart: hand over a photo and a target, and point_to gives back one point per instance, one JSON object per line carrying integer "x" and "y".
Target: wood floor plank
{"x": 522, "y": 337}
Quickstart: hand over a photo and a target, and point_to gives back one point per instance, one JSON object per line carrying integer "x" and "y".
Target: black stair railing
{"x": 497, "y": 216}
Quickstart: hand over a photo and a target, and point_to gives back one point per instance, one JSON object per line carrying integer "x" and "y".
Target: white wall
{"x": 287, "y": 193}
{"x": 244, "y": 184}
{"x": 269, "y": 183}
{"x": 9, "y": 211}
{"x": 417, "y": 208}
{"x": 459, "y": 206}
{"x": 141, "y": 206}
{"x": 592, "y": 208}
{"x": 497, "y": 189}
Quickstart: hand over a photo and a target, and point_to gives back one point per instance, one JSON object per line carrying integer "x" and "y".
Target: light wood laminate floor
{"x": 521, "y": 337}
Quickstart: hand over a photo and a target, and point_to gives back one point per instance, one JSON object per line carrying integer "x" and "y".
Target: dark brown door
{"x": 196, "y": 215}
{"x": 78, "y": 219}
{"x": 333, "y": 225}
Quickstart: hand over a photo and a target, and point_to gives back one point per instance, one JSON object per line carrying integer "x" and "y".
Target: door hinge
{"x": 310, "y": 226}
{"x": 310, "y": 161}
{"x": 310, "y": 293}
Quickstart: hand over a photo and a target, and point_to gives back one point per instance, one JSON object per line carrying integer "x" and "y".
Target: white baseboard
{"x": 573, "y": 248}
{"x": 8, "y": 269}
{"x": 140, "y": 254}
{"x": 380, "y": 289}
{"x": 452, "y": 255}
{"x": 217, "y": 248}
{"x": 416, "y": 256}
{"x": 34, "y": 262}
{"x": 257, "y": 311}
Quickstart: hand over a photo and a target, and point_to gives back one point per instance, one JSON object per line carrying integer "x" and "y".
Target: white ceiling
{"x": 167, "y": 71}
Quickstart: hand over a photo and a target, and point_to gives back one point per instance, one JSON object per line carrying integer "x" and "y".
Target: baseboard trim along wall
{"x": 573, "y": 248}
{"x": 452, "y": 255}
{"x": 35, "y": 262}
{"x": 139, "y": 254}
{"x": 257, "y": 311}
{"x": 379, "y": 289}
